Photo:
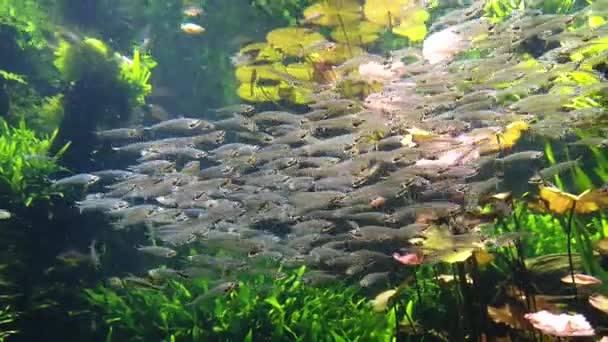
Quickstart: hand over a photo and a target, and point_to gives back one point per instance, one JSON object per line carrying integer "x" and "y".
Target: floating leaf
{"x": 386, "y": 12}
{"x": 415, "y": 33}
{"x": 511, "y": 315}
{"x": 292, "y": 40}
{"x": 335, "y": 55}
{"x": 560, "y": 202}
{"x": 361, "y": 33}
{"x": 333, "y": 12}
{"x": 258, "y": 93}
{"x": 599, "y": 302}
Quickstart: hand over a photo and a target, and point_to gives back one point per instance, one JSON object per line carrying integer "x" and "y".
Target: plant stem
{"x": 417, "y": 285}
{"x": 569, "y": 247}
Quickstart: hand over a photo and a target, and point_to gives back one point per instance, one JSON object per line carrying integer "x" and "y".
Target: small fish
{"x": 222, "y": 289}
{"x": 193, "y": 11}
{"x": 158, "y": 251}
{"x": 93, "y": 255}
{"x": 5, "y": 214}
{"x": 102, "y": 205}
{"x": 119, "y": 134}
{"x": 548, "y": 173}
{"x": 81, "y": 179}
{"x": 520, "y": 157}
{"x": 192, "y": 29}
{"x": 153, "y": 167}
{"x": 180, "y": 126}
{"x": 187, "y": 153}
{"x": 111, "y": 176}
{"x": 241, "y": 109}
{"x": 372, "y": 279}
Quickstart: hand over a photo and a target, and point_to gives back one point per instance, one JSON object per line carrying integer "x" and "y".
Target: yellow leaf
{"x": 415, "y": 33}
{"x": 331, "y": 12}
{"x": 380, "y": 302}
{"x": 386, "y": 12}
{"x": 293, "y": 40}
{"x": 595, "y": 21}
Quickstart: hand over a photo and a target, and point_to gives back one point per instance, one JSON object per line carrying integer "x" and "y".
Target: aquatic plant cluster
{"x": 392, "y": 163}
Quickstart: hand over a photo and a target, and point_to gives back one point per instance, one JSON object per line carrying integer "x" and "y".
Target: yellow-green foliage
{"x": 90, "y": 56}
{"x": 9, "y": 76}
{"x": 92, "y": 59}
{"x": 29, "y": 17}
{"x": 137, "y": 74}
{"x": 49, "y": 114}
{"x": 25, "y": 163}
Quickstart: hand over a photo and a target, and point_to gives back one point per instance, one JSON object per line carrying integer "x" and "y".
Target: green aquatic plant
{"x": 28, "y": 17}
{"x": 259, "y": 309}
{"x": 93, "y": 59}
{"x": 9, "y": 76}
{"x": 25, "y": 163}
{"x": 7, "y": 319}
{"x": 137, "y": 74}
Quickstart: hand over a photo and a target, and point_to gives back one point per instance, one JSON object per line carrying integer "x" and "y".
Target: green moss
{"x": 92, "y": 59}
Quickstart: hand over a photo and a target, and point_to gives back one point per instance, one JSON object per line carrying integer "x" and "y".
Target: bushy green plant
{"x": 260, "y": 309}
{"x": 7, "y": 318}
{"x": 92, "y": 59}
{"x": 137, "y": 74}
{"x": 29, "y": 17}
{"x": 25, "y": 163}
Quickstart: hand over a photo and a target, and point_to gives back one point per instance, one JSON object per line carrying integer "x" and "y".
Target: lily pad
{"x": 333, "y": 12}
{"x": 292, "y": 40}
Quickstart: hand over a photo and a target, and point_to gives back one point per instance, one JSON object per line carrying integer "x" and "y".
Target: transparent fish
{"x": 158, "y": 251}
{"x": 79, "y": 180}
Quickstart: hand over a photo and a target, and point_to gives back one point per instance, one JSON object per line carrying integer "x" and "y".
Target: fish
{"x": 180, "y": 126}
{"x": 520, "y": 157}
{"x": 93, "y": 255}
{"x": 117, "y": 134}
{"x": 157, "y": 251}
{"x": 192, "y": 29}
{"x": 113, "y": 176}
{"x": 548, "y": 173}
{"x": 5, "y": 214}
{"x": 79, "y": 180}
{"x": 237, "y": 109}
{"x": 193, "y": 11}
{"x": 373, "y": 279}
{"x": 182, "y": 153}
{"x": 102, "y": 205}
{"x": 223, "y": 289}
{"x": 153, "y": 167}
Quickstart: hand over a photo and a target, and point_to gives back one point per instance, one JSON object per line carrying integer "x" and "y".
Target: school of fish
{"x": 348, "y": 183}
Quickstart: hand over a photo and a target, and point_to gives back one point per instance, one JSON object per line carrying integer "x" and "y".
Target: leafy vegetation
{"x": 25, "y": 163}
{"x": 7, "y": 317}
{"x": 92, "y": 59}
{"x": 260, "y": 309}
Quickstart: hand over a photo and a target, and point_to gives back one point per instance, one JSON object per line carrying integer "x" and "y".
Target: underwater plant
{"x": 258, "y": 309}
{"x": 25, "y": 163}
{"x": 92, "y": 58}
{"x": 7, "y": 317}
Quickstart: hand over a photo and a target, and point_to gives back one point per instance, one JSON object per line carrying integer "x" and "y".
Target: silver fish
{"x": 180, "y": 126}
{"x": 153, "y": 167}
{"x": 158, "y": 251}
{"x": 79, "y": 180}
{"x": 222, "y": 289}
